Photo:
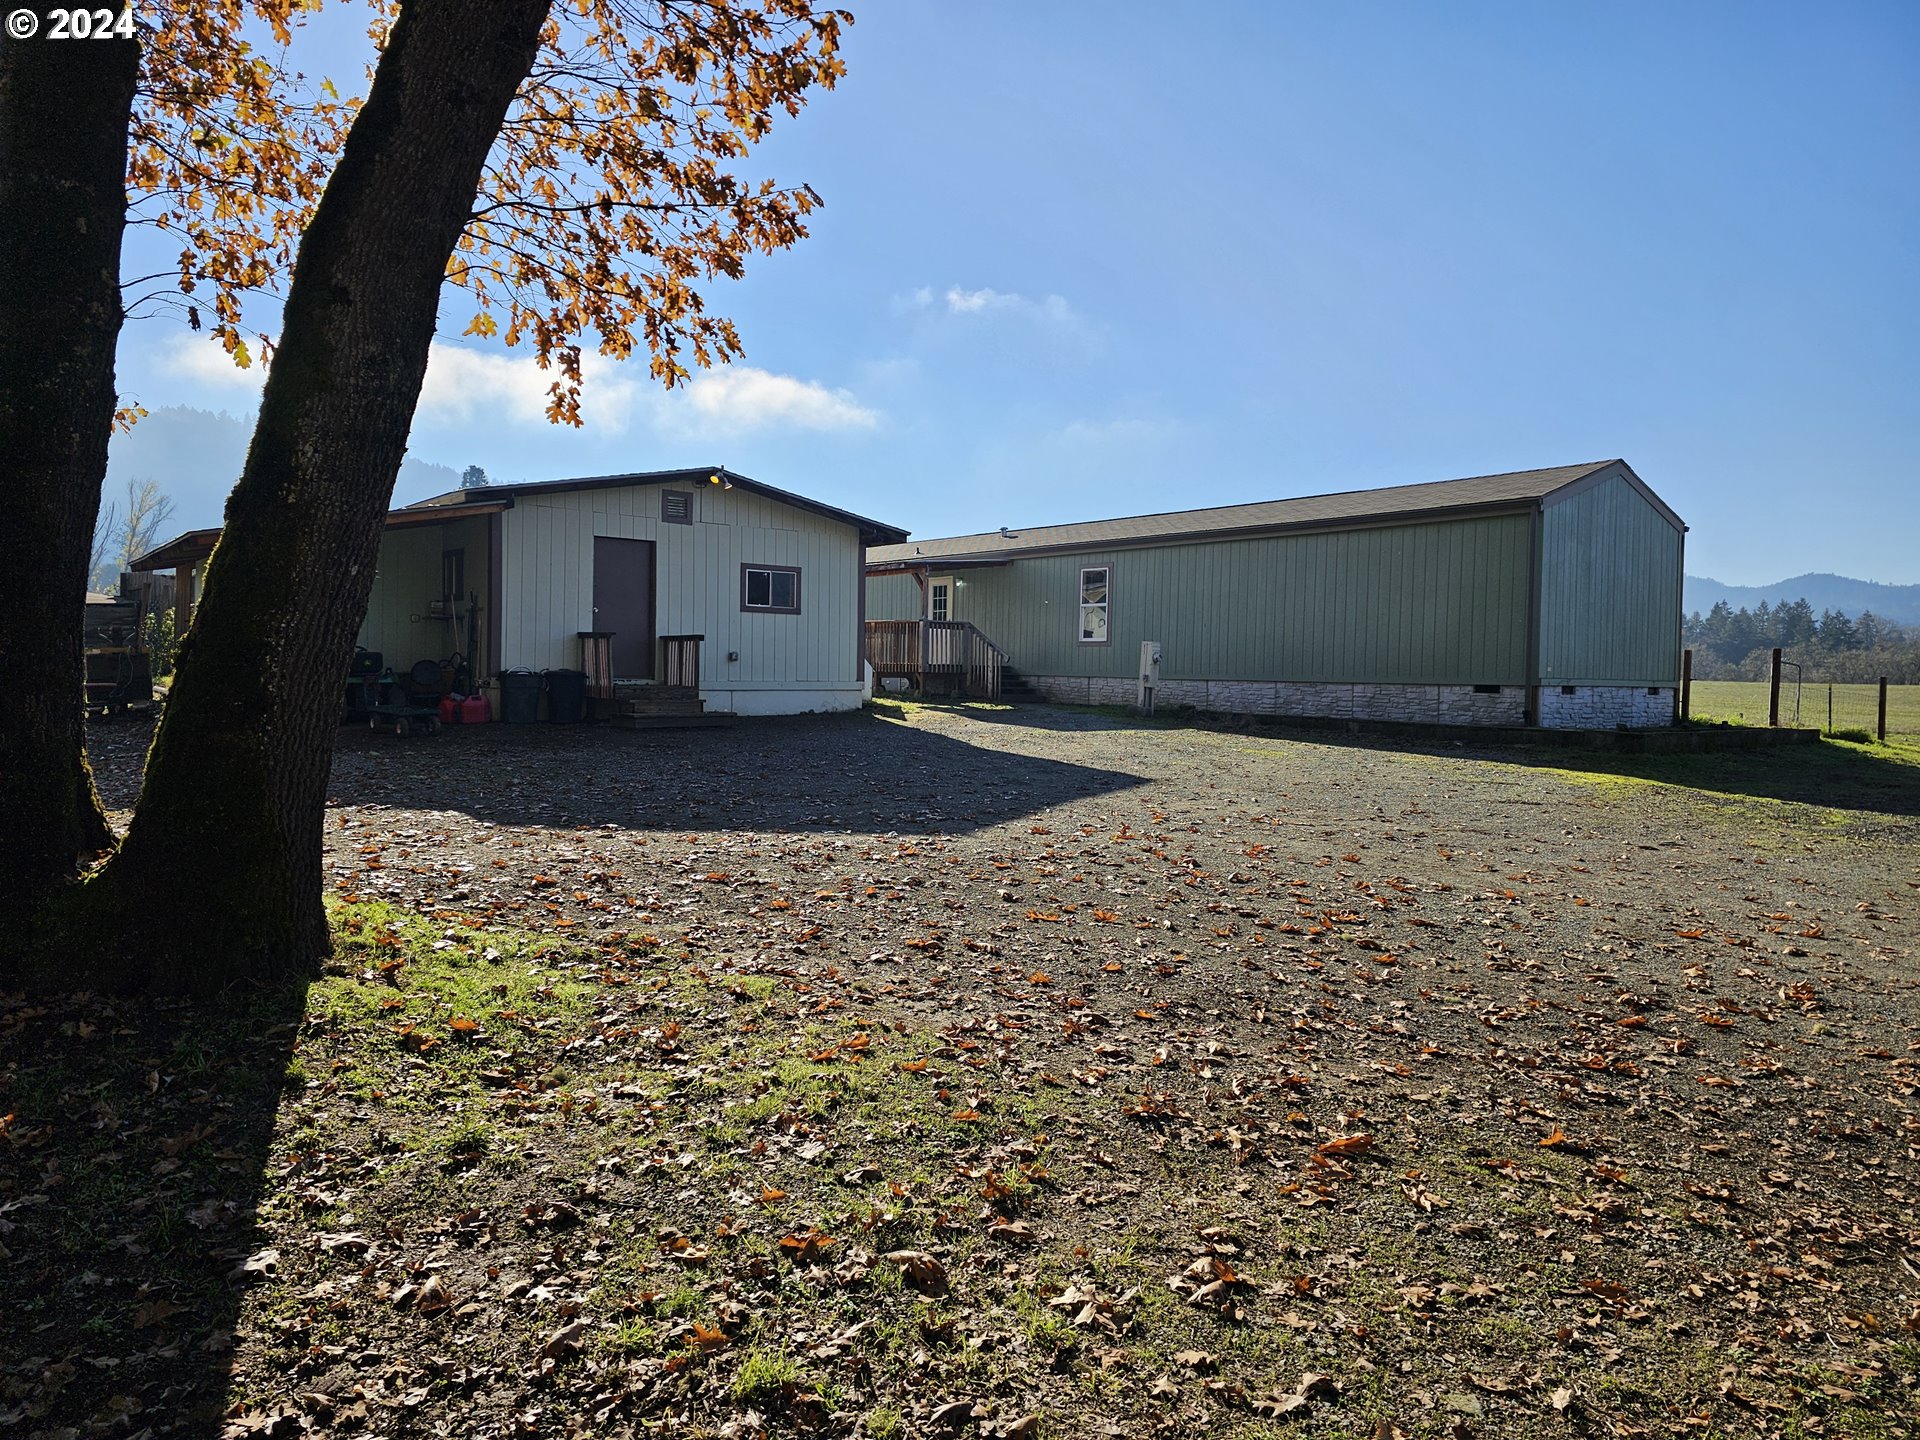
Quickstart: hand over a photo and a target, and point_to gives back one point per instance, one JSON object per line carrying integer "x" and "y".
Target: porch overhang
{"x": 191, "y": 548}
{"x": 923, "y": 565}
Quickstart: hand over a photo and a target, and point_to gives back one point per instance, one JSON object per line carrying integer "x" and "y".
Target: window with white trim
{"x": 1095, "y": 590}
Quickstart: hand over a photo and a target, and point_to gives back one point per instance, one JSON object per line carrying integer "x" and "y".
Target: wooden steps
{"x": 656, "y": 707}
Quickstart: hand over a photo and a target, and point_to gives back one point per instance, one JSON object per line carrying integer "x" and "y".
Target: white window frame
{"x": 1104, "y": 606}
{"x": 945, "y": 582}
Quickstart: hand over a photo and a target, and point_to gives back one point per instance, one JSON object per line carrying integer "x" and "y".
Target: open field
{"x": 1020, "y": 1072}
{"x": 1855, "y": 707}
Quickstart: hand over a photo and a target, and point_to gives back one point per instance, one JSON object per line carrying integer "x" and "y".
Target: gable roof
{"x": 872, "y": 532}
{"x": 196, "y": 545}
{"x": 1514, "y": 490}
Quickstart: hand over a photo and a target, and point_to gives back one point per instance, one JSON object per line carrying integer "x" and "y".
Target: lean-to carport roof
{"x": 872, "y": 532}
{"x": 195, "y": 545}
{"x": 1312, "y": 512}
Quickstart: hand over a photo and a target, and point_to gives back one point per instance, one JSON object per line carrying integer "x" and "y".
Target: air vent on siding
{"x": 676, "y": 507}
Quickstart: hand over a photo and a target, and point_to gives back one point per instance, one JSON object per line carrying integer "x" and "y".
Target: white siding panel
{"x": 547, "y": 546}
{"x": 406, "y": 579}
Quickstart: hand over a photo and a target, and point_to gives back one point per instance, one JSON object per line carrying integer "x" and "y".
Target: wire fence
{"x": 1846, "y": 711}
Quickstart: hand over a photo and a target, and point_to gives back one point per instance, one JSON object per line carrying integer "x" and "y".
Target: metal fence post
{"x": 1773, "y": 690}
{"x": 1829, "y": 709}
{"x": 1686, "y": 684}
{"x": 1883, "y": 709}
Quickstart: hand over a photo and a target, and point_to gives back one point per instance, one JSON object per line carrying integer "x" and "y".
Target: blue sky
{"x": 1081, "y": 260}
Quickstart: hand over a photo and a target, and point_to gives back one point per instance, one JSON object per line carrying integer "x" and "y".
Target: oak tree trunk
{"x": 64, "y": 115}
{"x": 219, "y": 877}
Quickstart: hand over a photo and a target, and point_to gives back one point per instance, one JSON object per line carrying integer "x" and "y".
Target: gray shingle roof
{"x": 1309, "y": 510}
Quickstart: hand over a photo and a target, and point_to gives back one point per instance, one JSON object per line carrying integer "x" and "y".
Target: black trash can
{"x": 566, "y": 696}
{"x": 519, "y": 697}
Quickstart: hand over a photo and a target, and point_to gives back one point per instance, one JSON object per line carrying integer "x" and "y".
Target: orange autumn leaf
{"x": 806, "y": 1246}
{"x": 1347, "y": 1145}
{"x": 1557, "y": 1139}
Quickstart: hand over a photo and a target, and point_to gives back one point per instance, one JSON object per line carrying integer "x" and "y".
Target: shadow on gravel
{"x": 1832, "y": 776}
{"x": 1867, "y": 779}
{"x": 809, "y": 773}
{"x": 133, "y": 1154}
{"x": 801, "y": 773}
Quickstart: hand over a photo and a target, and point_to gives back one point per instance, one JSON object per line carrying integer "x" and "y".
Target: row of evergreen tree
{"x": 1731, "y": 644}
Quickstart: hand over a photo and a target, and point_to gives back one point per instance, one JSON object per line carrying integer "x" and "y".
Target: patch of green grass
{"x": 764, "y": 1377}
{"x": 1854, "y": 706}
{"x": 896, "y": 705}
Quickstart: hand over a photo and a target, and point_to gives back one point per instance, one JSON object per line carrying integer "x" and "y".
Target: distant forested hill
{"x": 1899, "y": 603}
{"x": 196, "y": 456}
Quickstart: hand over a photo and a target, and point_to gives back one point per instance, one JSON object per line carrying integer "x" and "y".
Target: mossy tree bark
{"x": 219, "y": 877}
{"x": 64, "y": 115}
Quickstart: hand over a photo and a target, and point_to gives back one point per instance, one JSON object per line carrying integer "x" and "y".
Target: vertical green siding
{"x": 893, "y": 597}
{"x": 1609, "y": 590}
{"x": 1433, "y": 603}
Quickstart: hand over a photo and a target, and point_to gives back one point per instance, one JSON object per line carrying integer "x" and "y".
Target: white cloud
{"x": 473, "y": 388}
{"x": 464, "y": 385}
{"x": 200, "y": 359}
{"x": 1051, "y": 311}
{"x": 740, "y": 397}
{"x": 968, "y": 302}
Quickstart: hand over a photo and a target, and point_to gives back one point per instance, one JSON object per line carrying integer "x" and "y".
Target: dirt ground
{"x": 1014, "y": 1072}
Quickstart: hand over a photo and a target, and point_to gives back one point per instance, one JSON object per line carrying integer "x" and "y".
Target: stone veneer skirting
{"x": 1601, "y": 707}
{"x": 1591, "y": 706}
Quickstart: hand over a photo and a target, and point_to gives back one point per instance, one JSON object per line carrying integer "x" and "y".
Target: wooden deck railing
{"x": 680, "y": 660}
{"x": 952, "y": 654}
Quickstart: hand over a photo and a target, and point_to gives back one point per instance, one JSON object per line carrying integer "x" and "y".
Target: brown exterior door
{"x": 623, "y": 603}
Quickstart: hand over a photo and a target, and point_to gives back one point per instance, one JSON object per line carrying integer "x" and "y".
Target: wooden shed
{"x": 1547, "y": 597}
{"x": 703, "y": 581}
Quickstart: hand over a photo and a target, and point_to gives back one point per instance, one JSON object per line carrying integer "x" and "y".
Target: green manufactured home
{"x": 1547, "y": 597}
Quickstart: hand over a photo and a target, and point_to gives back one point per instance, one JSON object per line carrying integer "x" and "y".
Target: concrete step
{"x": 706, "y": 720}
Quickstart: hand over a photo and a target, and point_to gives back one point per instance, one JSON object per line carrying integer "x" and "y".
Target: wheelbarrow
{"x": 411, "y": 707}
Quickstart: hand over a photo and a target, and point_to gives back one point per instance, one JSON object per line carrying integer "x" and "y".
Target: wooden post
{"x": 1686, "y": 684}
{"x": 1773, "y": 690}
{"x": 1883, "y": 709}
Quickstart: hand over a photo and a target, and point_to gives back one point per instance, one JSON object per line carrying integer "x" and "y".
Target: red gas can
{"x": 449, "y": 710}
{"x": 474, "y": 710}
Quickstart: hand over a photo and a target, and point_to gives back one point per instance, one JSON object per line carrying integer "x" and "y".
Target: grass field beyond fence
{"x": 1855, "y": 707}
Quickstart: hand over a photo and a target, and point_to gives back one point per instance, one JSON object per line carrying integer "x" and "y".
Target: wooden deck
{"x": 948, "y": 656}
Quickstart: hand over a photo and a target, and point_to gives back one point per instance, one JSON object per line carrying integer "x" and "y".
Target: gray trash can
{"x": 519, "y": 697}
